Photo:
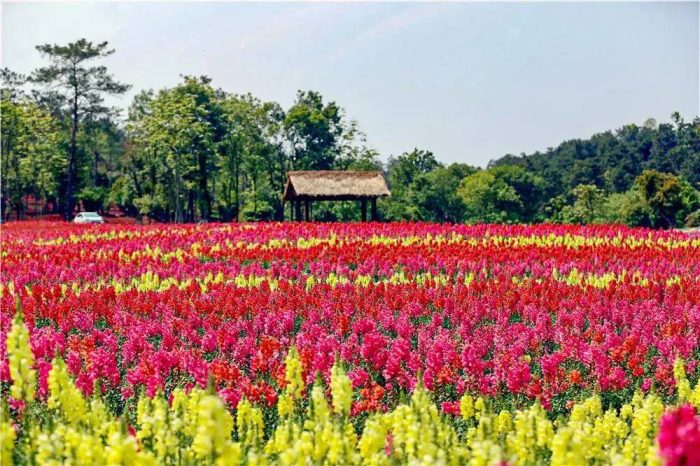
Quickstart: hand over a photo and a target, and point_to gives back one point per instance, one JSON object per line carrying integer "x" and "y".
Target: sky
{"x": 468, "y": 81}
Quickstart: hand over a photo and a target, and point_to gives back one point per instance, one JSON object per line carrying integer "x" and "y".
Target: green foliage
{"x": 435, "y": 194}
{"x": 612, "y": 160}
{"x": 93, "y": 198}
{"x": 663, "y": 194}
{"x": 587, "y": 206}
{"x": 77, "y": 90}
{"x": 336, "y": 211}
{"x": 657, "y": 199}
{"x": 502, "y": 194}
{"x": 627, "y": 208}
{"x": 177, "y": 138}
{"x": 690, "y": 203}
{"x": 422, "y": 189}
{"x": 693, "y": 219}
{"x": 198, "y": 152}
{"x": 314, "y": 131}
{"x": 32, "y": 160}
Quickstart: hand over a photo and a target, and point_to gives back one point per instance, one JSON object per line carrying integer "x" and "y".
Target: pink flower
{"x": 679, "y": 437}
{"x": 451, "y": 407}
{"x": 358, "y": 377}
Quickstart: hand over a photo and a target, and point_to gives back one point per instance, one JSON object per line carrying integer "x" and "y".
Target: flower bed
{"x": 519, "y": 344}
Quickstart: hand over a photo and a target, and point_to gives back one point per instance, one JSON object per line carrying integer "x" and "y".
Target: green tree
{"x": 693, "y": 219}
{"x": 402, "y": 172}
{"x": 314, "y": 131}
{"x": 435, "y": 193}
{"x": 586, "y": 207}
{"x": 136, "y": 190}
{"x": 81, "y": 89}
{"x": 403, "y": 169}
{"x": 12, "y": 85}
{"x": 32, "y": 161}
{"x": 614, "y": 159}
{"x": 253, "y": 165}
{"x": 177, "y": 134}
{"x": 627, "y": 208}
{"x": 354, "y": 153}
{"x": 690, "y": 200}
{"x": 502, "y": 194}
{"x": 102, "y": 143}
{"x": 662, "y": 194}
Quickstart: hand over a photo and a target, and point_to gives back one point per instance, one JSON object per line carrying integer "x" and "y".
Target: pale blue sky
{"x": 469, "y": 81}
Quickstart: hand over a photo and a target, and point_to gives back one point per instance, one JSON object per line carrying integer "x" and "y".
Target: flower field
{"x": 349, "y": 344}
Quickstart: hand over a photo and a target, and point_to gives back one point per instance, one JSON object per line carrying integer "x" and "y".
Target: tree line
{"x": 196, "y": 152}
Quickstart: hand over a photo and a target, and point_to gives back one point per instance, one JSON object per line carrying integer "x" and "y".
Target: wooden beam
{"x": 375, "y": 216}
{"x": 363, "y": 207}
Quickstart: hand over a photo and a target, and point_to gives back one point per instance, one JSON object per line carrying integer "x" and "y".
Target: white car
{"x": 88, "y": 217}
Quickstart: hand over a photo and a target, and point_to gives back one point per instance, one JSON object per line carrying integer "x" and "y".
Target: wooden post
{"x": 297, "y": 210}
{"x": 374, "y": 209}
{"x": 363, "y": 207}
{"x": 306, "y": 210}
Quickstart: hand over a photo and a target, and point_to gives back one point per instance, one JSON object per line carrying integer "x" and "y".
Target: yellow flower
{"x": 341, "y": 390}
{"x": 503, "y": 422}
{"x": 293, "y": 374}
{"x": 285, "y": 405}
{"x": 683, "y": 386}
{"x": 158, "y": 426}
{"x": 466, "y": 407}
{"x": 122, "y": 450}
{"x": 373, "y": 440}
{"x": 695, "y": 396}
{"x": 64, "y": 396}
{"x": 213, "y": 428}
{"x": 250, "y": 425}
{"x": 479, "y": 407}
{"x": 7, "y": 438}
{"x": 21, "y": 361}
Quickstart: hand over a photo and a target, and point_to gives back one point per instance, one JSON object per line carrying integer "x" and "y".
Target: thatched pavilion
{"x": 304, "y": 187}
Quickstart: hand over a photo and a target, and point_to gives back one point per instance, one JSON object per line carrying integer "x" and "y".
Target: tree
{"x": 253, "y": 164}
{"x": 662, "y": 193}
{"x": 402, "y": 171}
{"x": 81, "y": 92}
{"x": 314, "y": 131}
{"x": 102, "y": 143}
{"x": 423, "y": 189}
{"x": 178, "y": 134}
{"x": 135, "y": 190}
{"x": 613, "y": 159}
{"x": 353, "y": 153}
{"x": 12, "y": 87}
{"x": 31, "y": 158}
{"x": 194, "y": 143}
{"x": 435, "y": 194}
{"x": 628, "y": 208}
{"x": 502, "y": 194}
{"x": 587, "y": 203}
